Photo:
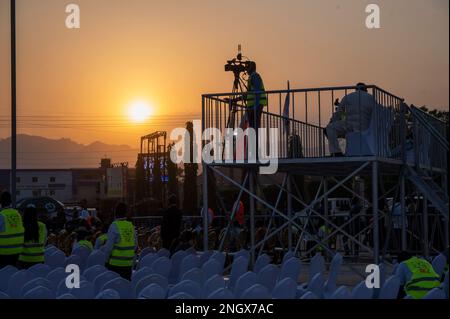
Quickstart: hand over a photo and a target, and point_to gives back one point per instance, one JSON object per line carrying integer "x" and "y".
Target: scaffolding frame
{"x": 154, "y": 149}
{"x": 430, "y": 165}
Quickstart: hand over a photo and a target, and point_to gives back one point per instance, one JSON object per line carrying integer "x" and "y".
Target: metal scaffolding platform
{"x": 401, "y": 157}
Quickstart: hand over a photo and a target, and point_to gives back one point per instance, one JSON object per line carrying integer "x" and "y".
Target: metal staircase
{"x": 419, "y": 175}
{"x": 435, "y": 194}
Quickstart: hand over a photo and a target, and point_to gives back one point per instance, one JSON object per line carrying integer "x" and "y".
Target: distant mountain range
{"x": 41, "y": 152}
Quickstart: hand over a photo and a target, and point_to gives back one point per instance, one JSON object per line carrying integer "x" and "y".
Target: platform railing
{"x": 302, "y": 126}
{"x": 427, "y": 142}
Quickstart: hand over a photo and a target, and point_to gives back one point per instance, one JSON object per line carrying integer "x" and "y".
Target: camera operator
{"x": 255, "y": 101}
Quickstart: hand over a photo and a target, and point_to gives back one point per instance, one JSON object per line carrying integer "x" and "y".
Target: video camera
{"x": 237, "y": 66}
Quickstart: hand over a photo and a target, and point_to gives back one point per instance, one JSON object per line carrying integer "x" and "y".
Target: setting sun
{"x": 139, "y": 111}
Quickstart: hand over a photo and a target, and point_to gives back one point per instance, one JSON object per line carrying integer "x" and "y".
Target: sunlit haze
{"x": 80, "y": 84}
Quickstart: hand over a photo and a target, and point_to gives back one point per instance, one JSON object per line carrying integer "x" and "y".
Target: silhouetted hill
{"x": 41, "y": 152}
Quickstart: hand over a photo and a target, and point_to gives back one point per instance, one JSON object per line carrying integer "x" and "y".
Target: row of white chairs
{"x": 187, "y": 273}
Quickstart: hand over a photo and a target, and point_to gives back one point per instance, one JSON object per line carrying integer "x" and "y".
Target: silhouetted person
{"x": 11, "y": 232}
{"x": 255, "y": 101}
{"x": 34, "y": 239}
{"x": 171, "y": 223}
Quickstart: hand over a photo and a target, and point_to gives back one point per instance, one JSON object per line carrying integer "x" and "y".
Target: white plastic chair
{"x": 17, "y": 281}
{"x": 42, "y": 282}
{"x": 242, "y": 253}
{"x": 66, "y": 296}
{"x": 238, "y": 268}
{"x": 212, "y": 284}
{"x": 188, "y": 287}
{"x": 148, "y": 280}
{"x": 96, "y": 257}
{"x": 436, "y": 293}
{"x": 176, "y": 262}
{"x": 152, "y": 291}
{"x": 316, "y": 266}
{"x": 438, "y": 264}
{"x": 390, "y": 288}
{"x": 5, "y": 274}
{"x": 256, "y": 291}
{"x": 261, "y": 262}
{"x": 205, "y": 257}
{"x": 221, "y": 293}
{"x": 189, "y": 262}
{"x": 309, "y": 295}
{"x": 92, "y": 272}
{"x": 56, "y": 259}
{"x": 122, "y": 286}
{"x": 289, "y": 254}
{"x": 181, "y": 295}
{"x": 268, "y": 276}
{"x": 163, "y": 252}
{"x": 244, "y": 282}
{"x": 108, "y": 294}
{"x": 74, "y": 259}
{"x": 102, "y": 279}
{"x": 290, "y": 269}
{"x": 146, "y": 251}
{"x": 147, "y": 260}
{"x": 83, "y": 253}
{"x": 86, "y": 290}
{"x": 40, "y": 270}
{"x": 285, "y": 289}
{"x": 39, "y": 292}
{"x": 162, "y": 266}
{"x": 219, "y": 257}
{"x": 139, "y": 274}
{"x": 341, "y": 293}
{"x": 211, "y": 268}
{"x": 195, "y": 274}
{"x": 365, "y": 143}
{"x": 55, "y": 276}
{"x": 361, "y": 291}
{"x": 317, "y": 285}
{"x": 330, "y": 284}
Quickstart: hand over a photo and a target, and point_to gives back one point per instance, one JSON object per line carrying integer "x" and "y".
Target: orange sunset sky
{"x": 80, "y": 83}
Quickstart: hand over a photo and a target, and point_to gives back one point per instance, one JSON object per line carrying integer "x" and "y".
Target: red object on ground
{"x": 240, "y": 214}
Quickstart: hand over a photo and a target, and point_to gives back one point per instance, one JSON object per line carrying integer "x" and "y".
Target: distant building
{"x": 89, "y": 185}
{"x": 56, "y": 183}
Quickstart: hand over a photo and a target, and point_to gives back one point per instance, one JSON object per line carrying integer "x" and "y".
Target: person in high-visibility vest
{"x": 102, "y": 238}
{"x": 121, "y": 245}
{"x": 83, "y": 236}
{"x": 11, "y": 232}
{"x": 255, "y": 102}
{"x": 416, "y": 275}
{"x": 35, "y": 238}
{"x": 323, "y": 232}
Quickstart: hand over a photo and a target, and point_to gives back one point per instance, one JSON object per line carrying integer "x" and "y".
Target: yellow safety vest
{"x": 86, "y": 243}
{"x": 122, "y": 254}
{"x": 33, "y": 252}
{"x": 11, "y": 240}
{"x": 102, "y": 238}
{"x": 326, "y": 231}
{"x": 423, "y": 278}
{"x": 250, "y": 98}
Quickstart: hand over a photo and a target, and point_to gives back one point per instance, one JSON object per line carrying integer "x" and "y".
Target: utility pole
{"x": 13, "y": 104}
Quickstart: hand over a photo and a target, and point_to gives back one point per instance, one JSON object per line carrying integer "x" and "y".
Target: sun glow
{"x": 139, "y": 111}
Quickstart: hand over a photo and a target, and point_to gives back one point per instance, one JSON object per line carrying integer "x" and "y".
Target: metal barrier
{"x": 302, "y": 128}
